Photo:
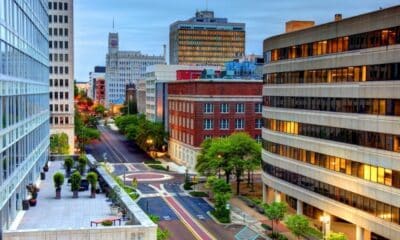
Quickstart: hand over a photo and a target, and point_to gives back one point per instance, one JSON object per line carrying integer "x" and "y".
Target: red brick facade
{"x": 186, "y": 102}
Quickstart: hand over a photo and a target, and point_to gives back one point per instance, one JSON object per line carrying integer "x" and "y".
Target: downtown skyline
{"x": 144, "y": 27}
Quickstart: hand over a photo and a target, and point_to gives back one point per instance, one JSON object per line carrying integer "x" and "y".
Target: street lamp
{"x": 325, "y": 219}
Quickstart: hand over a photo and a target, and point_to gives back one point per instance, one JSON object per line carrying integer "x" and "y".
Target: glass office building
{"x": 332, "y": 123}
{"x": 24, "y": 100}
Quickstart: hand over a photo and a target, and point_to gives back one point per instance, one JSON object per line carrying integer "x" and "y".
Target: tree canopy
{"x": 336, "y": 236}
{"x": 275, "y": 212}
{"x": 59, "y": 143}
{"x": 231, "y": 155}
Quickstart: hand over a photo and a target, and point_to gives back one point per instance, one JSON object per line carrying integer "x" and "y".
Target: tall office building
{"x": 122, "y": 68}
{"x": 24, "y": 101}
{"x": 61, "y": 44}
{"x": 206, "y": 40}
{"x": 332, "y": 123}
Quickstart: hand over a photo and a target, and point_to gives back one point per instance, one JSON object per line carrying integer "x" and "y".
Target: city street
{"x": 161, "y": 194}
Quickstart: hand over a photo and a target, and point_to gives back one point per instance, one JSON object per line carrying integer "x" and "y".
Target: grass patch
{"x": 198, "y": 194}
{"x": 158, "y": 167}
{"x": 152, "y": 161}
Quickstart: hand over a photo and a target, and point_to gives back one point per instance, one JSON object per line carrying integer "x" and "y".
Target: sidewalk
{"x": 173, "y": 167}
{"x": 243, "y": 214}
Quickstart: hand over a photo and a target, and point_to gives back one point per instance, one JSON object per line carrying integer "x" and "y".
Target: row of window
{"x": 14, "y": 109}
{"x": 59, "y": 108}
{"x": 371, "y": 39}
{"x": 224, "y": 108}
{"x": 379, "y": 72}
{"x": 58, "y": 44}
{"x": 379, "y": 209}
{"x": 58, "y": 6}
{"x": 59, "y": 95}
{"x": 59, "y": 82}
{"x": 58, "y": 57}
{"x": 208, "y": 124}
{"x": 388, "y": 107}
{"x": 58, "y": 19}
{"x": 16, "y": 63}
{"x": 59, "y": 120}
{"x": 58, "y": 32}
{"x": 361, "y": 170}
{"x": 382, "y": 141}
{"x": 58, "y": 70}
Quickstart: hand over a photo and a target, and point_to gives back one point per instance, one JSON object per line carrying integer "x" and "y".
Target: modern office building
{"x": 24, "y": 102}
{"x": 207, "y": 108}
{"x": 122, "y": 68}
{"x": 331, "y": 142}
{"x": 97, "y": 89}
{"x": 61, "y": 44}
{"x": 157, "y": 77}
{"x": 206, "y": 40}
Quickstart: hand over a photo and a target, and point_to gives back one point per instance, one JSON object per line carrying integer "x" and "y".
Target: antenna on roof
{"x": 206, "y": 5}
{"x": 113, "y": 25}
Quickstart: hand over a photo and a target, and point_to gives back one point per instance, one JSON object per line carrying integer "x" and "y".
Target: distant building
{"x": 296, "y": 25}
{"x": 206, "y": 40}
{"x": 207, "y": 108}
{"x": 246, "y": 67}
{"x": 61, "y": 56}
{"x": 331, "y": 138}
{"x": 157, "y": 90}
{"x": 141, "y": 96}
{"x": 83, "y": 87}
{"x": 122, "y": 68}
{"x": 97, "y": 84}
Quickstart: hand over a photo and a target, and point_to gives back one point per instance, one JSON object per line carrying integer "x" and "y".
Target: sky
{"x": 143, "y": 25}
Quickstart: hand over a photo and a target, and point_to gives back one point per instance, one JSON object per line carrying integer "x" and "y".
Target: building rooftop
{"x": 64, "y": 213}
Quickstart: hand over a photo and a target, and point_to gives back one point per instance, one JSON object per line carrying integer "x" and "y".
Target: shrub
{"x": 82, "y": 162}
{"x": 157, "y": 167}
{"x": 75, "y": 181}
{"x": 92, "y": 179}
{"x": 277, "y": 236}
{"x": 188, "y": 186}
{"x": 106, "y": 223}
{"x": 198, "y": 194}
{"x": 68, "y": 163}
{"x": 266, "y": 227}
{"x": 58, "y": 179}
{"x": 152, "y": 161}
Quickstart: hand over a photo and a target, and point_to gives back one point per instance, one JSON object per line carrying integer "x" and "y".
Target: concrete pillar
{"x": 328, "y": 224}
{"x": 264, "y": 193}
{"x": 299, "y": 207}
{"x": 359, "y": 233}
{"x": 277, "y": 196}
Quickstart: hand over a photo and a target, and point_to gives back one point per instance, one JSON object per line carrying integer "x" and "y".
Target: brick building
{"x": 206, "y": 108}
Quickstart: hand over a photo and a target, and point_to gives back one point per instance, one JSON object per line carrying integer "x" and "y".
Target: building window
{"x": 239, "y": 123}
{"x": 240, "y": 108}
{"x": 207, "y": 137}
{"x": 208, "y": 108}
{"x": 258, "y": 108}
{"x": 224, "y": 124}
{"x": 208, "y": 124}
{"x": 259, "y": 123}
{"x": 224, "y": 108}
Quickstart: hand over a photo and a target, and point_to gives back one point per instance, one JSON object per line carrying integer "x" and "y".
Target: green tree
{"x": 275, "y": 212}
{"x": 162, "y": 234}
{"x": 100, "y": 109}
{"x": 232, "y": 155}
{"x": 129, "y": 108}
{"x": 299, "y": 225}
{"x": 336, "y": 236}
{"x": 222, "y": 193}
{"x": 59, "y": 143}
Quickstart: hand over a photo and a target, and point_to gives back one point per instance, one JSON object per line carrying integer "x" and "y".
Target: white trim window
{"x": 208, "y": 108}
{"x": 258, "y": 108}
{"x": 224, "y": 108}
{"x": 224, "y": 124}
{"x": 208, "y": 124}
{"x": 258, "y": 123}
{"x": 239, "y": 107}
{"x": 239, "y": 123}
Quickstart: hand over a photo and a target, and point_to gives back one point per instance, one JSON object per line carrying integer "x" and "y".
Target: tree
{"x": 222, "y": 193}
{"x": 336, "y": 236}
{"x": 59, "y": 143}
{"x": 299, "y": 225}
{"x": 129, "y": 108}
{"x": 161, "y": 233}
{"x": 92, "y": 179}
{"x": 232, "y": 155}
{"x": 275, "y": 212}
{"x": 99, "y": 109}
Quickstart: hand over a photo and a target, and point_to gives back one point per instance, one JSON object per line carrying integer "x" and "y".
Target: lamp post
{"x": 149, "y": 142}
{"x": 325, "y": 219}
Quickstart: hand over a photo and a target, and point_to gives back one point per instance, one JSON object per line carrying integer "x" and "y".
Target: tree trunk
{"x": 272, "y": 225}
{"x": 248, "y": 178}
{"x": 238, "y": 183}
{"x": 227, "y": 175}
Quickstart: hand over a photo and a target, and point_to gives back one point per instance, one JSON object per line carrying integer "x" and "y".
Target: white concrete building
{"x": 156, "y": 89}
{"x": 61, "y": 44}
{"x": 331, "y": 138}
{"x": 124, "y": 67}
{"x": 24, "y": 102}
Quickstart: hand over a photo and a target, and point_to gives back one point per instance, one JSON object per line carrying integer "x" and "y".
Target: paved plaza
{"x": 64, "y": 213}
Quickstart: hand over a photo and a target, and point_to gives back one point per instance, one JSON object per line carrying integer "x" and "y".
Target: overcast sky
{"x": 143, "y": 25}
